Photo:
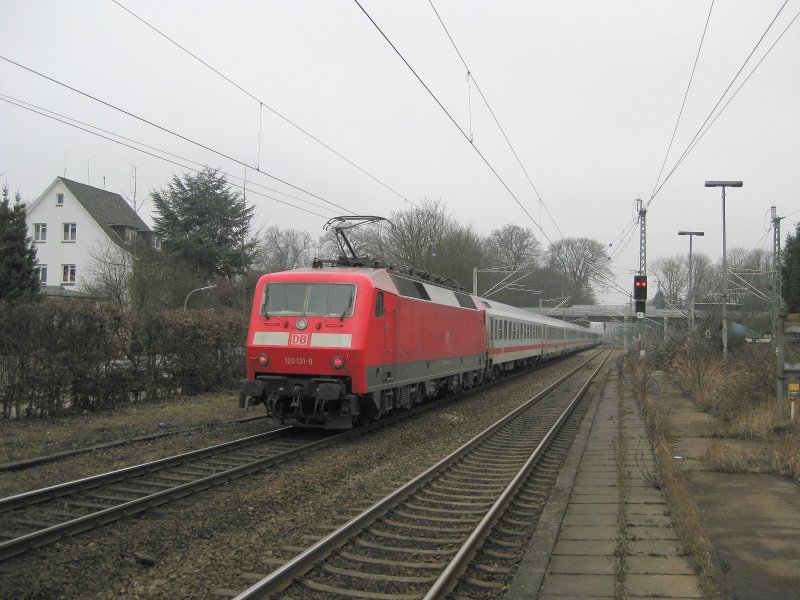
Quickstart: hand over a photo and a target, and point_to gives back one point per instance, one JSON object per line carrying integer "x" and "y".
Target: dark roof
{"x": 107, "y": 208}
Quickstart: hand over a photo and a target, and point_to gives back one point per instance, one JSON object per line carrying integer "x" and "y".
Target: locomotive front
{"x": 305, "y": 346}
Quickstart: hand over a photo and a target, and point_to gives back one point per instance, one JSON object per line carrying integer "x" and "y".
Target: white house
{"x": 70, "y": 221}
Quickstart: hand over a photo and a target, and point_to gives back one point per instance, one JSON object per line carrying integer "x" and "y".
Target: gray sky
{"x": 588, "y": 93}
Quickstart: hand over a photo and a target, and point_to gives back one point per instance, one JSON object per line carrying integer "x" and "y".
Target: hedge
{"x": 66, "y": 355}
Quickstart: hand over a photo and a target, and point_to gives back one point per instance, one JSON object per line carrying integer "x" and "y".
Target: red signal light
{"x": 640, "y": 287}
{"x": 337, "y": 362}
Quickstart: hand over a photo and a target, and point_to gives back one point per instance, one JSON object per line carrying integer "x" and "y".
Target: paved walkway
{"x": 752, "y": 520}
{"x": 580, "y": 550}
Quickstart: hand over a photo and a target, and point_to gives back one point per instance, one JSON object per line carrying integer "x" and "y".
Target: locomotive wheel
{"x": 420, "y": 395}
{"x": 367, "y": 412}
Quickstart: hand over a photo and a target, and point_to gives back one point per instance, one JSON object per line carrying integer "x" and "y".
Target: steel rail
{"x": 27, "y": 463}
{"x": 51, "y": 534}
{"x": 94, "y": 481}
{"x": 44, "y": 536}
{"x": 283, "y": 576}
{"x": 449, "y": 577}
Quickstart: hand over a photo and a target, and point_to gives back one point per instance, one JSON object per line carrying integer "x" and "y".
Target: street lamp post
{"x": 689, "y": 291}
{"x": 208, "y": 287}
{"x": 723, "y": 185}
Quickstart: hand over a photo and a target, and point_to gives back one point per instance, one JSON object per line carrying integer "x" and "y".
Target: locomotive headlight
{"x": 263, "y": 359}
{"x": 337, "y": 362}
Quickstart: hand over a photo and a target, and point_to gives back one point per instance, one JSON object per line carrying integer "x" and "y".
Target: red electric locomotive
{"x": 335, "y": 346}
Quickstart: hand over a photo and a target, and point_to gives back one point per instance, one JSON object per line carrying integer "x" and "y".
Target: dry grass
{"x": 748, "y": 380}
{"x": 20, "y": 439}
{"x": 675, "y": 485}
{"x": 744, "y": 400}
{"x": 778, "y": 455}
{"x": 620, "y": 453}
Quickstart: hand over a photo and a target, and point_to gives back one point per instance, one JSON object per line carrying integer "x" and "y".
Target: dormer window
{"x": 59, "y": 199}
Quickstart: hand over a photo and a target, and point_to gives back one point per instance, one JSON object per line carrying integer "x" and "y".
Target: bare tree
{"x": 513, "y": 245}
{"x": 460, "y": 250}
{"x": 417, "y": 234}
{"x": 284, "y": 249}
{"x": 109, "y": 273}
{"x": 671, "y": 273}
{"x": 584, "y": 263}
{"x": 705, "y": 278}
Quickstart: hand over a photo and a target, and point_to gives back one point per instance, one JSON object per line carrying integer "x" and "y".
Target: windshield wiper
{"x": 347, "y": 309}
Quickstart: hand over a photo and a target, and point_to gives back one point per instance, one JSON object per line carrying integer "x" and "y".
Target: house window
{"x": 59, "y": 199}
{"x": 40, "y": 232}
{"x": 68, "y": 274}
{"x": 70, "y": 232}
{"x": 157, "y": 242}
{"x": 41, "y": 273}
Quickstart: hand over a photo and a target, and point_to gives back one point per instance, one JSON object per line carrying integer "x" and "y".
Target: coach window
{"x": 379, "y": 305}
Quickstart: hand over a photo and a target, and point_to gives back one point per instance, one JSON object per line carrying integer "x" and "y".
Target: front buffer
{"x": 304, "y": 401}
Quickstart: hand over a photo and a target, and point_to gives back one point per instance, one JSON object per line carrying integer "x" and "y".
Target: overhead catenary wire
{"x": 452, "y": 120}
{"x": 23, "y": 104}
{"x": 167, "y": 130}
{"x": 262, "y": 105}
{"x": 701, "y": 132}
{"x": 494, "y": 116}
{"x": 3, "y": 98}
{"x": 685, "y": 96}
{"x": 706, "y": 124}
{"x": 735, "y": 93}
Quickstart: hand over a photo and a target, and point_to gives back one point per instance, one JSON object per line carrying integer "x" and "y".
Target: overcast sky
{"x": 587, "y": 92}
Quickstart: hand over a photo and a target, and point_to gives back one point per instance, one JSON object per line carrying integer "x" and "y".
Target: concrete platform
{"x": 596, "y": 539}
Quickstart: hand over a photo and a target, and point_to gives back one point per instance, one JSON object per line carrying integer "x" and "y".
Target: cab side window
{"x": 379, "y": 305}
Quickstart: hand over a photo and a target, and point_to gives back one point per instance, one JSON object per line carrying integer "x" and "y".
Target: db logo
{"x": 299, "y": 339}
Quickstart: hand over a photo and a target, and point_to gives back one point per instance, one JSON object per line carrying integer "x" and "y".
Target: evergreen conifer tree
{"x": 790, "y": 270}
{"x": 17, "y": 252}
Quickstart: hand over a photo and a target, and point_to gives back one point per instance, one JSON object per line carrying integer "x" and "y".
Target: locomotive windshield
{"x": 308, "y": 299}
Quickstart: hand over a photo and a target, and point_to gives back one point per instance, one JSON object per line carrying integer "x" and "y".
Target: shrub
{"x": 72, "y": 355}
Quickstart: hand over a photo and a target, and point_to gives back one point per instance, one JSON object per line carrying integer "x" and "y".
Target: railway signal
{"x": 640, "y": 292}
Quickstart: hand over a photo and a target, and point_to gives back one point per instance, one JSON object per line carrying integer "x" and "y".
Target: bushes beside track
{"x": 65, "y": 355}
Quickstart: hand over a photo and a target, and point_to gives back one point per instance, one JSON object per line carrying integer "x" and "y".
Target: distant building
{"x": 69, "y": 221}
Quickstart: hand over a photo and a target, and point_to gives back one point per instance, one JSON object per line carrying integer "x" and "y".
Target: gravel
{"x": 190, "y": 548}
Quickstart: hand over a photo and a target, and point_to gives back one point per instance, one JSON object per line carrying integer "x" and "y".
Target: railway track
{"x": 27, "y": 463}
{"x": 40, "y": 517}
{"x": 36, "y": 518}
{"x": 458, "y": 526}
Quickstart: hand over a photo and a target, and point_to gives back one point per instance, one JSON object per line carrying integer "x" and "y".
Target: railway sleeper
{"x": 405, "y": 564}
{"x": 484, "y": 499}
{"x": 468, "y": 491}
{"x": 385, "y": 548}
{"x": 448, "y": 506}
{"x": 115, "y": 498}
{"x": 438, "y": 519}
{"x": 382, "y": 533}
{"x": 91, "y": 505}
{"x": 381, "y": 577}
{"x": 484, "y": 585}
{"x": 366, "y": 595}
{"x": 454, "y": 479}
{"x": 491, "y": 569}
{"x": 32, "y": 522}
{"x": 415, "y": 527}
{"x": 500, "y": 554}
{"x": 510, "y": 533}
